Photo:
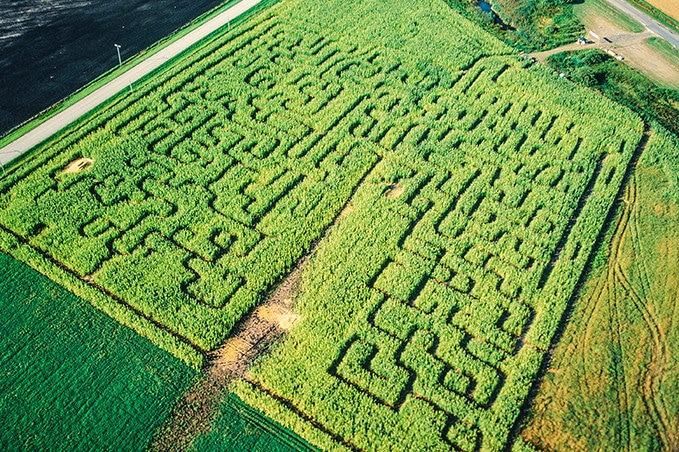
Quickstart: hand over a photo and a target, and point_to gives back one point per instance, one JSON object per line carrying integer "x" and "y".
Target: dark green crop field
{"x": 72, "y": 378}
{"x": 453, "y": 193}
{"x": 240, "y": 428}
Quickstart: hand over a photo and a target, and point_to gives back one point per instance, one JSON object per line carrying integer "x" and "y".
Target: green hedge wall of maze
{"x": 479, "y": 184}
{"x": 428, "y": 310}
{"x": 209, "y": 182}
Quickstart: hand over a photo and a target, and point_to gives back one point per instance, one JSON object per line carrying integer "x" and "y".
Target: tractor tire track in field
{"x": 634, "y": 368}
{"x": 622, "y": 296}
{"x": 577, "y": 294}
{"x": 659, "y": 353}
{"x": 655, "y": 380}
{"x": 618, "y": 356}
{"x": 593, "y": 303}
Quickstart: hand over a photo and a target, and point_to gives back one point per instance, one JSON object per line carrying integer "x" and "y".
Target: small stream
{"x": 487, "y": 7}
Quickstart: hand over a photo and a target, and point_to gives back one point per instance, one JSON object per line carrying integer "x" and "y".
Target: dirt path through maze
{"x": 195, "y": 411}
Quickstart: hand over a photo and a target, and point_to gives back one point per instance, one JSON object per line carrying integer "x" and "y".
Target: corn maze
{"x": 476, "y": 193}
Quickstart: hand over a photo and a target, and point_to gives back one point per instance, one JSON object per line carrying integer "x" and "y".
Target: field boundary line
{"x": 66, "y": 272}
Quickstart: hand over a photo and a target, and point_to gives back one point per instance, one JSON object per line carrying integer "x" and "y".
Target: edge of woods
{"x": 117, "y": 71}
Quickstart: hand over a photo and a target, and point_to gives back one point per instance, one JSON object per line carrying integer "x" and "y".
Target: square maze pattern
{"x": 208, "y": 186}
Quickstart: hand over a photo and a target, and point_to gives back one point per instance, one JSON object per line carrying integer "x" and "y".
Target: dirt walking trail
{"x": 96, "y": 98}
{"x": 194, "y": 413}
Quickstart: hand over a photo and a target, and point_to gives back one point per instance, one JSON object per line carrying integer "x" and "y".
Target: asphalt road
{"x": 96, "y": 98}
{"x": 647, "y": 21}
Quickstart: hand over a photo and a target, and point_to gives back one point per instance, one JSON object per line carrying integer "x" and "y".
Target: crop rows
{"x": 211, "y": 183}
{"x": 477, "y": 197}
{"x": 433, "y": 320}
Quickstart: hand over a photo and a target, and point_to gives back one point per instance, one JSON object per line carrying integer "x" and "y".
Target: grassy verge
{"x": 604, "y": 9}
{"x": 670, "y": 52}
{"x": 620, "y": 83}
{"x": 611, "y": 384}
{"x": 113, "y": 73}
{"x": 657, "y": 14}
{"x": 72, "y": 378}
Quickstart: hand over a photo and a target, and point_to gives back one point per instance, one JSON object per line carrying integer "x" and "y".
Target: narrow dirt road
{"x": 633, "y": 47}
{"x": 75, "y": 111}
{"x": 647, "y": 21}
{"x": 619, "y": 40}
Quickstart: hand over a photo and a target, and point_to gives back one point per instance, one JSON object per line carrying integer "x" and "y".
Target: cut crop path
{"x": 428, "y": 310}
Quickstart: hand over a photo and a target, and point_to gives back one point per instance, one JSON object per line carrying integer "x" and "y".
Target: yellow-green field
{"x": 613, "y": 381}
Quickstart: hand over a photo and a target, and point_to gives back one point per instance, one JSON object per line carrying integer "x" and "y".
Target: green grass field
{"x": 452, "y": 190}
{"x": 666, "y": 49}
{"x": 73, "y": 378}
{"x": 239, "y": 428}
{"x": 613, "y": 381}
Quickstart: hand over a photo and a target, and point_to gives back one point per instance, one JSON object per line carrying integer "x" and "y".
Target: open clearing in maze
{"x": 479, "y": 185}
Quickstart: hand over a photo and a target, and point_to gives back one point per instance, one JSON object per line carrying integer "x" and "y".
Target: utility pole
{"x": 120, "y": 62}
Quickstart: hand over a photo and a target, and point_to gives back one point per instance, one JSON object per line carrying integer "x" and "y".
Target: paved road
{"x": 75, "y": 111}
{"x": 647, "y": 21}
